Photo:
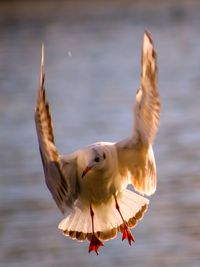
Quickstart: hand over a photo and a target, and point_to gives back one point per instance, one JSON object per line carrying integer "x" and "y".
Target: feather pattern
{"x": 107, "y": 221}
{"x": 56, "y": 179}
{"x": 147, "y": 104}
{"x": 135, "y": 154}
{"x": 92, "y": 181}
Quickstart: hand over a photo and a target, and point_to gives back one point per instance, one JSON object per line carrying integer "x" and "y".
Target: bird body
{"x": 90, "y": 185}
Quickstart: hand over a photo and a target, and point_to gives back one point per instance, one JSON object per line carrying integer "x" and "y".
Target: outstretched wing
{"x": 59, "y": 174}
{"x": 147, "y": 104}
{"x": 135, "y": 153}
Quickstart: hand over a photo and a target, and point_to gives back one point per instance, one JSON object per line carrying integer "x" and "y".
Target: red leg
{"x": 95, "y": 243}
{"x": 126, "y": 231}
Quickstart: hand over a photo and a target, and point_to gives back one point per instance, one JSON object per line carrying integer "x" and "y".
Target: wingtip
{"x": 147, "y": 35}
{"x": 147, "y": 41}
{"x": 42, "y": 67}
{"x": 148, "y": 53}
{"x": 42, "y": 58}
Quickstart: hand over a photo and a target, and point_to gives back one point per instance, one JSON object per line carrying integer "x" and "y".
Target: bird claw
{"x": 127, "y": 235}
{"x": 95, "y": 244}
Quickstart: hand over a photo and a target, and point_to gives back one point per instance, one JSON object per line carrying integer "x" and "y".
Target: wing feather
{"x": 58, "y": 173}
{"x": 147, "y": 104}
{"x": 135, "y": 154}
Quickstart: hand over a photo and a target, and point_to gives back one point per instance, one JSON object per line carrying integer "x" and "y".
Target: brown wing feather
{"x": 55, "y": 177}
{"x": 147, "y": 105}
{"x": 135, "y": 153}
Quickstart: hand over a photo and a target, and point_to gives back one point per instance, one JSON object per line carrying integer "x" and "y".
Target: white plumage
{"x": 89, "y": 185}
{"x": 108, "y": 220}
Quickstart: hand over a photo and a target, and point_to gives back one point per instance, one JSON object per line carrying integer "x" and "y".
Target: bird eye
{"x": 97, "y": 159}
{"x": 104, "y": 155}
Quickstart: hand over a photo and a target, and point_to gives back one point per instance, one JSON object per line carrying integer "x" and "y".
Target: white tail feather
{"x": 107, "y": 220}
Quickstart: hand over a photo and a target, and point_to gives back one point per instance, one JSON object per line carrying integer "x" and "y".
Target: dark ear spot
{"x": 104, "y": 155}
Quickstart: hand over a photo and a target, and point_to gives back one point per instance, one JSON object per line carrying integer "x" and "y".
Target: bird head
{"x": 95, "y": 160}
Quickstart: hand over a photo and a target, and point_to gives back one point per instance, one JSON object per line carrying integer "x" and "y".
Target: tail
{"x": 107, "y": 220}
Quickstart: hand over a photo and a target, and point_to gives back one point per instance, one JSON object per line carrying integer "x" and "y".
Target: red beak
{"x": 86, "y": 171}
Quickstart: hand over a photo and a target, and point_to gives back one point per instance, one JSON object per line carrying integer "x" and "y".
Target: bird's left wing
{"x": 147, "y": 102}
{"x": 135, "y": 153}
{"x": 60, "y": 173}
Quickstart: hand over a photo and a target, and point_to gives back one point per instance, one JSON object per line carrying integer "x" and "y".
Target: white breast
{"x": 98, "y": 185}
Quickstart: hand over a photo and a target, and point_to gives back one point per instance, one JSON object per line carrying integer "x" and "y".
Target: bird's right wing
{"x": 60, "y": 174}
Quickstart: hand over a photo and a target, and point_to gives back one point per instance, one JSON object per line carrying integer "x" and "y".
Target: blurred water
{"x": 91, "y": 94}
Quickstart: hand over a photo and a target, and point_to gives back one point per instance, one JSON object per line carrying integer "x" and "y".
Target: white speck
{"x": 69, "y": 54}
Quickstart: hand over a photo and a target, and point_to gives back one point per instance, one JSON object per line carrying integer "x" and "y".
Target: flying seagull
{"x": 89, "y": 185}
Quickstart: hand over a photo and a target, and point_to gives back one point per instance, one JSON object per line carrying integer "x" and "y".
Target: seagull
{"x": 89, "y": 185}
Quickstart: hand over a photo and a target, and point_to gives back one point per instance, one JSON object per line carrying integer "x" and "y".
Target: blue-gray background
{"x": 92, "y": 62}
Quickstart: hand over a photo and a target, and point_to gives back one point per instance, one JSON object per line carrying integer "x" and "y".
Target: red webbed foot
{"x": 95, "y": 244}
{"x": 126, "y": 234}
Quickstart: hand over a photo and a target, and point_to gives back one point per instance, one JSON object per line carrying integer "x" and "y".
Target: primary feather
{"x": 56, "y": 179}
{"x": 136, "y": 155}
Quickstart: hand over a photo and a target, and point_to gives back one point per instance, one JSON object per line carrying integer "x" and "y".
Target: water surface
{"x": 92, "y": 62}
